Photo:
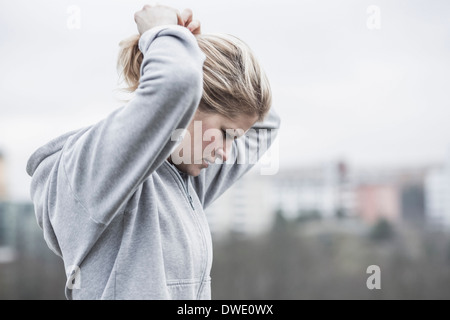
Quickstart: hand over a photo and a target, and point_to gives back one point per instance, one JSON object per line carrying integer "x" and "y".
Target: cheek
{"x": 205, "y": 144}
{"x": 208, "y": 148}
{"x": 209, "y": 137}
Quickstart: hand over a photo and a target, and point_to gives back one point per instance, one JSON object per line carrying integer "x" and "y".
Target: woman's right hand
{"x": 156, "y": 15}
{"x": 188, "y": 21}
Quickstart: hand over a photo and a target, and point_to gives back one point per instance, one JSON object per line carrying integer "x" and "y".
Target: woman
{"x": 122, "y": 201}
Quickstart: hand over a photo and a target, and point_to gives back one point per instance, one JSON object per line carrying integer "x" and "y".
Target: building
{"x": 243, "y": 209}
{"x": 324, "y": 190}
{"x": 413, "y": 203}
{"x": 3, "y": 190}
{"x": 392, "y": 194}
{"x": 377, "y": 202}
{"x": 330, "y": 190}
{"x": 437, "y": 195}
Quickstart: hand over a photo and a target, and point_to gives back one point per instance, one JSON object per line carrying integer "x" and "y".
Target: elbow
{"x": 271, "y": 121}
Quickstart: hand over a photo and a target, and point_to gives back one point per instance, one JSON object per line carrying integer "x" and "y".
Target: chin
{"x": 194, "y": 171}
{"x": 191, "y": 170}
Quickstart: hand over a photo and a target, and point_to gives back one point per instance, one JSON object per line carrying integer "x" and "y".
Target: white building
{"x": 243, "y": 209}
{"x": 329, "y": 190}
{"x": 249, "y": 207}
{"x": 3, "y": 190}
{"x": 324, "y": 190}
{"x": 437, "y": 195}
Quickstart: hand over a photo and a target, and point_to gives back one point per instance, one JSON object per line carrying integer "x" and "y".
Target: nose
{"x": 223, "y": 150}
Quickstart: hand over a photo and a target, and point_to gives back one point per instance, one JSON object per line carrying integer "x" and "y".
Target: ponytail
{"x": 129, "y": 62}
{"x": 233, "y": 81}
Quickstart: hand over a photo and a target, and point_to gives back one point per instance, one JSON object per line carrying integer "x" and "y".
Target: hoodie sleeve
{"x": 246, "y": 152}
{"x": 106, "y": 164}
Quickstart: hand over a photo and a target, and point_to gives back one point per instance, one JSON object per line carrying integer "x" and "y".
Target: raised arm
{"x": 246, "y": 151}
{"x": 106, "y": 164}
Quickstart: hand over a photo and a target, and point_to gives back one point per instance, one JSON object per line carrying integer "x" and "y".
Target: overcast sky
{"x": 343, "y": 87}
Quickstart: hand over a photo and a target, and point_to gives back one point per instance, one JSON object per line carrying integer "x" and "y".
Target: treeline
{"x": 309, "y": 258}
{"x": 321, "y": 259}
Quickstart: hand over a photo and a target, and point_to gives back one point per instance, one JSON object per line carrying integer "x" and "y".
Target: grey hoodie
{"x": 127, "y": 223}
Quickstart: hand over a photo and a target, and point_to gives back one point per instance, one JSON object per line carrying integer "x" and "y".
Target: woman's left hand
{"x": 189, "y": 22}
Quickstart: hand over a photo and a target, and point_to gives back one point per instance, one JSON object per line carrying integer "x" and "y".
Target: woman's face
{"x": 209, "y": 138}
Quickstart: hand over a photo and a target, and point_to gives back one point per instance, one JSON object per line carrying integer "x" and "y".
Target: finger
{"x": 180, "y": 20}
{"x": 195, "y": 27}
{"x": 187, "y": 15}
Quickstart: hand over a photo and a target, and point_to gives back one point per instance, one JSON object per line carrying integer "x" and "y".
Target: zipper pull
{"x": 191, "y": 202}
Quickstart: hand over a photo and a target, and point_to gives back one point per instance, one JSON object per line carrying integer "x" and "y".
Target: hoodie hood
{"x": 47, "y": 150}
{"x": 42, "y": 166}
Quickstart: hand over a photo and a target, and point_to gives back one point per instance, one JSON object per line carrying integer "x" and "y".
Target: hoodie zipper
{"x": 185, "y": 187}
{"x": 202, "y": 231}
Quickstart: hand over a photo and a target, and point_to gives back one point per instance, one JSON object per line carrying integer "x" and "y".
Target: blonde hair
{"x": 233, "y": 81}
